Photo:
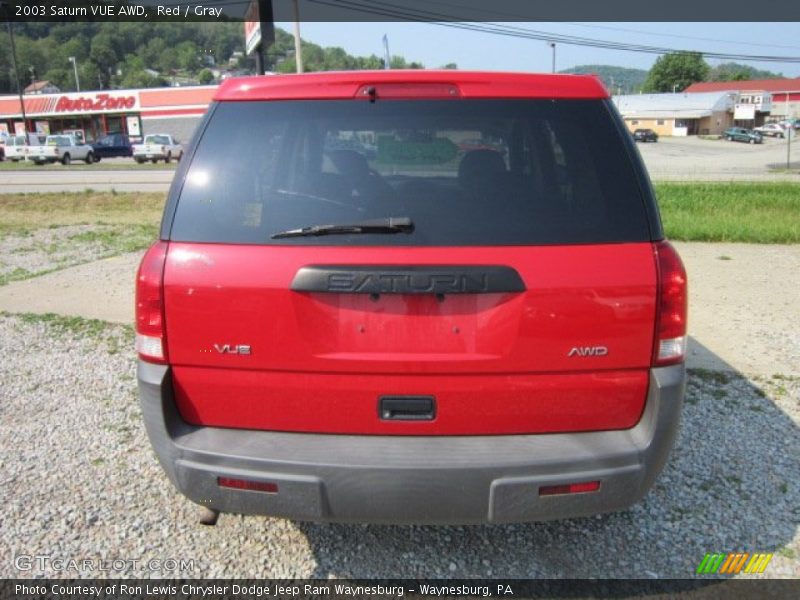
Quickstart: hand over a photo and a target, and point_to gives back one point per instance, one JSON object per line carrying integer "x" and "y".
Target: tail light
{"x": 670, "y": 339}
{"x": 151, "y": 341}
{"x": 569, "y": 488}
{"x": 245, "y": 484}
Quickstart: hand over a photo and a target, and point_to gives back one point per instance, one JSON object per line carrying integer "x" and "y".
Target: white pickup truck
{"x": 157, "y": 146}
{"x": 63, "y": 148}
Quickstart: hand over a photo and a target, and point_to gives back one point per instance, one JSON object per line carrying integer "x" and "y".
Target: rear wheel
{"x": 90, "y": 158}
{"x": 139, "y": 160}
{"x": 169, "y": 158}
{"x": 66, "y": 160}
{"x": 154, "y": 160}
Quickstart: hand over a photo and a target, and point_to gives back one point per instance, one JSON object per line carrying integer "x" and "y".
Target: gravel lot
{"x": 43, "y": 250}
{"x": 79, "y": 481}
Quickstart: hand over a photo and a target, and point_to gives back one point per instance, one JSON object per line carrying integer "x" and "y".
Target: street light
{"x": 75, "y": 69}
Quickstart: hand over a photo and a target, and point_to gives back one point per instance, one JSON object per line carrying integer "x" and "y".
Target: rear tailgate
{"x": 569, "y": 353}
{"x": 34, "y": 152}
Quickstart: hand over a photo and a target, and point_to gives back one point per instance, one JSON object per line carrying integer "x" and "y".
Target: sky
{"x": 436, "y": 45}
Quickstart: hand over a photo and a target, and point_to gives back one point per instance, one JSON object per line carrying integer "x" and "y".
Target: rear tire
{"x": 66, "y": 160}
{"x": 139, "y": 160}
{"x": 169, "y": 158}
{"x": 90, "y": 158}
{"x": 155, "y": 160}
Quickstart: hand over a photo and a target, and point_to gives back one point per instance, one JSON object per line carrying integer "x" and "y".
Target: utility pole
{"x": 387, "y": 60}
{"x": 789, "y": 134}
{"x": 553, "y": 46}
{"x": 298, "y": 51}
{"x": 16, "y": 77}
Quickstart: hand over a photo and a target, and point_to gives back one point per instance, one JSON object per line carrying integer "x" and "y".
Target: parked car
{"x": 485, "y": 338}
{"x": 114, "y": 145}
{"x": 157, "y": 146}
{"x": 60, "y": 148}
{"x": 771, "y": 129}
{"x": 645, "y": 135}
{"x": 15, "y": 148}
{"x": 790, "y": 123}
{"x": 740, "y": 134}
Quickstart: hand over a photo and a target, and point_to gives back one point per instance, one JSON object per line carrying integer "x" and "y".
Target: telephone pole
{"x": 16, "y": 75}
{"x": 298, "y": 50}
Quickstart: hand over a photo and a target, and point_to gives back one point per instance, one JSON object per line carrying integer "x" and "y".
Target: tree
{"x": 676, "y": 71}
{"x": 732, "y": 71}
{"x": 104, "y": 58}
{"x": 205, "y": 76}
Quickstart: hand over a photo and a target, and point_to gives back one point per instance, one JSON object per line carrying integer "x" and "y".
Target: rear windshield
{"x": 156, "y": 139}
{"x": 466, "y": 172}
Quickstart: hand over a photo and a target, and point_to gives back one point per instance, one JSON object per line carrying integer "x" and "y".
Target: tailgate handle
{"x": 406, "y": 408}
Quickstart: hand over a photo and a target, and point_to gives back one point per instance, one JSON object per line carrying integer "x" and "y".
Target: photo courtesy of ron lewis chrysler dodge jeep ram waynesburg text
{"x": 351, "y": 315}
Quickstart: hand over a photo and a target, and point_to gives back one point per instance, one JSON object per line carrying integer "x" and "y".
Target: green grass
{"x": 22, "y": 213}
{"x": 125, "y": 222}
{"x": 761, "y": 213}
{"x": 120, "y": 238}
{"x": 114, "y": 337}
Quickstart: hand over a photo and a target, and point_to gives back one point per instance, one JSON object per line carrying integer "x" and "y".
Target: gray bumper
{"x": 400, "y": 479}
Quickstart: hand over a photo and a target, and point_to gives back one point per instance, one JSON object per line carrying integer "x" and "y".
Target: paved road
{"x": 695, "y": 159}
{"x": 65, "y": 179}
{"x": 671, "y": 159}
{"x": 739, "y": 320}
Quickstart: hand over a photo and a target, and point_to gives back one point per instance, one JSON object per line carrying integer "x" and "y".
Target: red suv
{"x": 412, "y": 332}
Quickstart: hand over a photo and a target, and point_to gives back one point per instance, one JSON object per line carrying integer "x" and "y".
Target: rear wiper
{"x": 387, "y": 225}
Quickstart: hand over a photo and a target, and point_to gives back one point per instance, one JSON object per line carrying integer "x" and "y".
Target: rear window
{"x": 466, "y": 172}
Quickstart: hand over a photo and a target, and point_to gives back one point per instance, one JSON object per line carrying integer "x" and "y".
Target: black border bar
{"x": 406, "y": 10}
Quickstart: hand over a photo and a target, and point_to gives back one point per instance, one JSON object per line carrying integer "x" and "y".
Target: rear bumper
{"x": 402, "y": 479}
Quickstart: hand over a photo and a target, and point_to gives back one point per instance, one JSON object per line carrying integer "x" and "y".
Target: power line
{"x": 498, "y": 13}
{"x": 683, "y": 37}
{"x": 387, "y": 9}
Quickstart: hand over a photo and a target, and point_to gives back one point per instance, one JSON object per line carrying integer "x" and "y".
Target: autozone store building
{"x": 135, "y": 112}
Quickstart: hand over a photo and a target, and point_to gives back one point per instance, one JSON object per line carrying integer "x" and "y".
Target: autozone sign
{"x": 95, "y": 103}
